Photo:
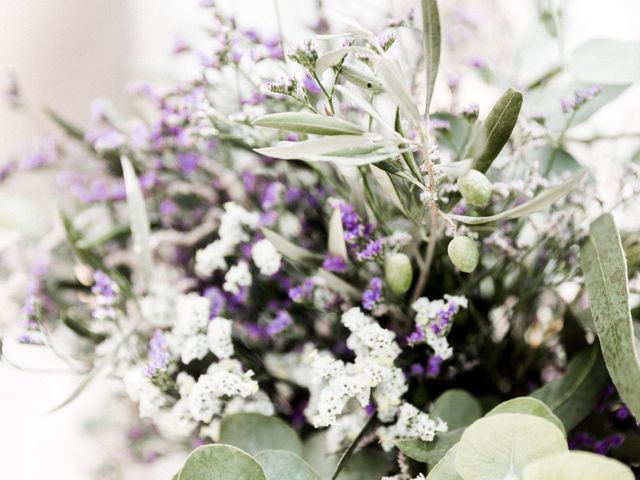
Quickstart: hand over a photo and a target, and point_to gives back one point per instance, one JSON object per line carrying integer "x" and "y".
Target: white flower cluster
{"x": 434, "y": 317}
{"x": 411, "y": 423}
{"x": 237, "y": 276}
{"x": 266, "y": 257}
{"x": 188, "y": 338}
{"x": 140, "y": 389}
{"x": 158, "y": 307}
{"x": 373, "y": 368}
{"x": 233, "y": 224}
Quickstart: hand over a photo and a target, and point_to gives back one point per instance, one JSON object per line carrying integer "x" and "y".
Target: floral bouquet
{"x": 347, "y": 272}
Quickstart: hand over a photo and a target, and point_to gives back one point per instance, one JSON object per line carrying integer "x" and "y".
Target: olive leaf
{"x": 496, "y": 130}
{"x": 336, "y": 243}
{"x": 339, "y": 285}
{"x": 606, "y": 61}
{"x": 361, "y": 78}
{"x": 605, "y": 270}
{"x": 308, "y": 123}
{"x": 361, "y": 160}
{"x": 543, "y": 200}
{"x": 577, "y": 465}
{"x": 290, "y": 249}
{"x": 390, "y": 76}
{"x": 281, "y": 464}
{"x": 140, "y": 229}
{"x": 500, "y": 446}
{"x": 221, "y": 462}
{"x": 253, "y": 433}
{"x": 457, "y": 407}
{"x": 573, "y": 396}
{"x": 432, "y": 40}
{"x": 333, "y": 144}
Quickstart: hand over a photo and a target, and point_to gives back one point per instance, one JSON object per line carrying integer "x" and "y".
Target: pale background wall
{"x": 67, "y": 52}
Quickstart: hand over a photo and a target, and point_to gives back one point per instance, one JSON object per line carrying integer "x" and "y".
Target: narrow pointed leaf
{"x": 308, "y": 123}
{"x": 139, "y": 220}
{"x": 320, "y": 146}
{"x": 390, "y": 76}
{"x": 361, "y": 78}
{"x": 290, "y": 249}
{"x": 496, "y": 130}
{"x": 432, "y": 41}
{"x": 336, "y": 243}
{"x": 573, "y": 396}
{"x": 537, "y": 203}
{"x": 339, "y": 285}
{"x": 605, "y": 270}
{"x": 356, "y": 161}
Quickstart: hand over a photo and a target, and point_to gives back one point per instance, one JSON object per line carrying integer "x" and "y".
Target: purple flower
{"x": 372, "y": 296}
{"x": 310, "y": 85}
{"x": 439, "y": 125}
{"x": 371, "y": 250}
{"x": 188, "y": 162}
{"x": 105, "y": 291}
{"x": 110, "y": 139}
{"x": 623, "y": 413}
{"x": 335, "y": 264}
{"x": 168, "y": 207}
{"x": 281, "y": 321}
{"x": 271, "y": 195}
{"x": 158, "y": 355}
{"x": 217, "y": 299}
{"x": 302, "y": 292}
{"x": 434, "y": 365}
{"x": 417, "y": 336}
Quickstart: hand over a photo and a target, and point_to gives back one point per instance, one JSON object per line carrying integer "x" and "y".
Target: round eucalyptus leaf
{"x": 253, "y": 432}
{"x": 498, "y": 447}
{"x": 445, "y": 469}
{"x": 220, "y": 462}
{"x": 577, "y": 465}
{"x": 280, "y": 464}
{"x": 529, "y": 406}
{"x": 457, "y": 407}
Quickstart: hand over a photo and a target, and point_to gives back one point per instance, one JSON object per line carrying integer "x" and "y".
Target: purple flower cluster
{"x": 31, "y": 312}
{"x": 335, "y": 264}
{"x": 373, "y": 249}
{"x": 281, "y": 321}
{"x": 443, "y": 320}
{"x": 584, "y": 441}
{"x": 416, "y": 336}
{"x": 159, "y": 356}
{"x": 372, "y": 296}
{"x": 580, "y": 97}
{"x": 302, "y": 292}
{"x": 433, "y": 366}
{"x": 105, "y": 291}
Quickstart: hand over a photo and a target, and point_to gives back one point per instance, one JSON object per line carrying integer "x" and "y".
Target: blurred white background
{"x": 67, "y": 52}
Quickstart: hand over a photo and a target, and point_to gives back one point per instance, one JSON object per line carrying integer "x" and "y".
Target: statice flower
{"x": 237, "y": 277}
{"x": 334, "y": 264}
{"x": 159, "y": 356}
{"x": 105, "y": 291}
{"x": 266, "y": 257}
{"x": 281, "y": 321}
{"x": 373, "y": 295}
{"x": 580, "y": 97}
{"x": 411, "y": 423}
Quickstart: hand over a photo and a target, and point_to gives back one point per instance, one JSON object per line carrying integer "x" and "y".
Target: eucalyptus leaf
{"x": 429, "y": 452}
{"x": 539, "y": 202}
{"x": 220, "y": 462}
{"x": 336, "y": 243}
{"x": 303, "y": 122}
{"x": 290, "y": 249}
{"x": 432, "y": 41}
{"x": 253, "y": 432}
{"x": 577, "y": 465}
{"x": 366, "y": 464}
{"x": 605, "y": 270}
{"x": 321, "y": 146}
{"x": 457, "y": 407}
{"x": 445, "y": 469}
{"x": 529, "y": 406}
{"x": 499, "y": 447}
{"x": 281, "y": 464}
{"x": 606, "y": 61}
{"x": 573, "y": 396}
{"x": 140, "y": 228}
{"x": 496, "y": 130}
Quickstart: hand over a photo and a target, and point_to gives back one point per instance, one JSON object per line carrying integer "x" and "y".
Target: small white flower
{"x": 212, "y": 258}
{"x": 219, "y": 337}
{"x": 237, "y": 276}
{"x": 266, "y": 257}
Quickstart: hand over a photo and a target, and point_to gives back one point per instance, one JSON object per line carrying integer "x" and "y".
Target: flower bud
{"x": 398, "y": 273}
{"x": 463, "y": 253}
{"x": 475, "y": 188}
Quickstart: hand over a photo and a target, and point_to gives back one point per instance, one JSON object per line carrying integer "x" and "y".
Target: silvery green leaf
{"x": 457, "y": 407}
{"x": 496, "y": 130}
{"x": 429, "y": 452}
{"x": 353, "y": 24}
{"x": 140, "y": 229}
{"x": 537, "y": 203}
{"x": 330, "y": 59}
{"x": 606, "y": 61}
{"x": 455, "y": 169}
{"x": 336, "y": 243}
{"x": 529, "y": 406}
{"x": 445, "y": 469}
{"x": 577, "y": 465}
{"x": 290, "y": 250}
{"x": 605, "y": 270}
{"x": 499, "y": 447}
{"x": 359, "y": 160}
{"x": 308, "y": 123}
{"x": 573, "y": 396}
{"x": 220, "y": 462}
{"x": 389, "y": 73}
{"x": 281, "y": 464}
{"x": 361, "y": 78}
{"x": 388, "y": 187}
{"x": 253, "y": 433}
{"x": 339, "y": 285}
{"x": 321, "y": 146}
{"x": 365, "y": 107}
{"x": 432, "y": 40}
